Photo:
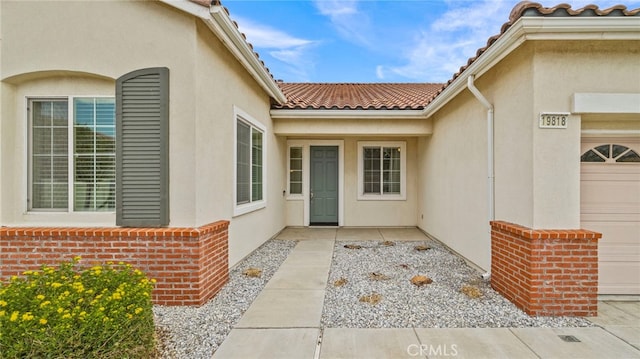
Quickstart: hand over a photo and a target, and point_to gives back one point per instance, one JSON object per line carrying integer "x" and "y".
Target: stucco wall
{"x": 453, "y": 199}
{"x": 537, "y": 171}
{"x": 103, "y": 41}
{"x": 607, "y": 122}
{"x": 361, "y": 213}
{"x": 216, "y": 95}
{"x": 560, "y": 70}
{"x": 366, "y": 213}
{"x": 509, "y": 87}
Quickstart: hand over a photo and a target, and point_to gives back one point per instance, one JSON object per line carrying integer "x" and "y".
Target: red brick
{"x": 544, "y": 272}
{"x": 190, "y": 264}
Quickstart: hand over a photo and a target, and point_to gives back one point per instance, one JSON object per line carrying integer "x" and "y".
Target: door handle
{"x": 311, "y": 194}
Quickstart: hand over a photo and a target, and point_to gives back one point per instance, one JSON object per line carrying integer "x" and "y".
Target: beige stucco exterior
{"x": 207, "y": 81}
{"x": 537, "y": 171}
{"x": 605, "y": 66}
{"x": 354, "y": 211}
{"x": 68, "y": 62}
{"x": 452, "y": 204}
{"x": 296, "y": 127}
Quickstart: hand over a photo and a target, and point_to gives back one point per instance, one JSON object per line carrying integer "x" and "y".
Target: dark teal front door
{"x": 324, "y": 185}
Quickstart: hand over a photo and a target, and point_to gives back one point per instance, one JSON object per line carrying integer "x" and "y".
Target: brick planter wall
{"x": 189, "y": 264}
{"x": 546, "y": 272}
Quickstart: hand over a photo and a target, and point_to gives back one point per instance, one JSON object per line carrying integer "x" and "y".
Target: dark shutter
{"x": 142, "y": 148}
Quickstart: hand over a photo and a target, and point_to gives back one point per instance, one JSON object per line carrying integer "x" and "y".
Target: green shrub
{"x": 100, "y": 312}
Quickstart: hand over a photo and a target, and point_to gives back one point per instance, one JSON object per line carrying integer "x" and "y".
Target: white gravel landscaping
{"x": 192, "y": 333}
{"x": 377, "y": 271}
{"x": 386, "y": 271}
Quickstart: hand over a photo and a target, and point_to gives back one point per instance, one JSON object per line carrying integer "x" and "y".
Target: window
{"x": 295, "y": 170}
{"x": 610, "y": 153}
{"x": 250, "y": 158}
{"x": 72, "y": 154}
{"x": 382, "y": 167}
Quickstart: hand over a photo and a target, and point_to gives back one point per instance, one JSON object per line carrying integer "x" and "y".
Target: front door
{"x": 324, "y": 186}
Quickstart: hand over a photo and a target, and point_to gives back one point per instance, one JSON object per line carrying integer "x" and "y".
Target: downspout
{"x": 490, "y": 168}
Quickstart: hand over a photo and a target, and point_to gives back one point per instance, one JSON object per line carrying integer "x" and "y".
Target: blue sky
{"x": 373, "y": 40}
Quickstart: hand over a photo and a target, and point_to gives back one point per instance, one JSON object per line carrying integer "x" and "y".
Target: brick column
{"x": 190, "y": 264}
{"x": 546, "y": 272}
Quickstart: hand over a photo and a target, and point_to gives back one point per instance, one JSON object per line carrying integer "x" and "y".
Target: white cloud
{"x": 293, "y": 53}
{"x": 336, "y": 7}
{"x": 350, "y": 23}
{"x": 268, "y": 37}
{"x": 429, "y": 61}
{"x": 440, "y": 49}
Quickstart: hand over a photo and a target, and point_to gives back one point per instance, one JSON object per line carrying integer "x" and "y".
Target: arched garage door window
{"x": 610, "y": 153}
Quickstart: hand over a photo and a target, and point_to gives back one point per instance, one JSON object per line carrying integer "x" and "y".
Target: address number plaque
{"x": 553, "y": 120}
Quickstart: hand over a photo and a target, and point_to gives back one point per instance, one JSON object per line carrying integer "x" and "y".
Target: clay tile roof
{"x": 533, "y": 9}
{"x": 408, "y": 96}
{"x": 357, "y": 96}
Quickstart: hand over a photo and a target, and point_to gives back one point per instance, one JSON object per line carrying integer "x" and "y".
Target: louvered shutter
{"x": 142, "y": 148}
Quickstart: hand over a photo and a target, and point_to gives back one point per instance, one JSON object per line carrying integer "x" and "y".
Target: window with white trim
{"x": 381, "y": 170}
{"x": 250, "y": 170}
{"x": 295, "y": 170}
{"x": 72, "y": 154}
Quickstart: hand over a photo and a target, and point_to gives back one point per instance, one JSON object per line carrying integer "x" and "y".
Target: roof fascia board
{"x": 189, "y": 7}
{"x": 346, "y": 114}
{"x": 218, "y": 21}
{"x": 565, "y": 27}
{"x": 539, "y": 28}
{"x": 606, "y": 103}
{"x": 229, "y": 34}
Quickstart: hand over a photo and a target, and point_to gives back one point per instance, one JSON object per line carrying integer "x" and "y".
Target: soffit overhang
{"x": 400, "y": 123}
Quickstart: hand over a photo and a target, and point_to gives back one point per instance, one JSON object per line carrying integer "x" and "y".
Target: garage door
{"x": 610, "y": 204}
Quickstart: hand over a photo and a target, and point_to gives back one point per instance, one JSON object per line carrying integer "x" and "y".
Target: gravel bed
{"x": 402, "y": 304}
{"x": 373, "y": 270}
{"x": 189, "y": 332}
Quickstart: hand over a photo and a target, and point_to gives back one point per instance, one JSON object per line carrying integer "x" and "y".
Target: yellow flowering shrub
{"x": 68, "y": 312}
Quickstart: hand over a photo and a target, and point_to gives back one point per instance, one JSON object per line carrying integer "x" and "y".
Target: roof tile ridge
{"x": 518, "y": 11}
{"x": 211, "y": 3}
{"x": 521, "y": 8}
{"x": 622, "y": 8}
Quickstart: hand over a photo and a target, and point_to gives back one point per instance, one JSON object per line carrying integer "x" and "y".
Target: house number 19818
{"x": 553, "y": 120}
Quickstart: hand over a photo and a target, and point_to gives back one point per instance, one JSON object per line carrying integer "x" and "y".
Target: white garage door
{"x": 610, "y": 204}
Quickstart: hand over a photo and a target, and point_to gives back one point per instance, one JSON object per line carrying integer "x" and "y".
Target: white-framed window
{"x": 250, "y": 160}
{"x": 72, "y": 154}
{"x": 295, "y": 170}
{"x": 382, "y": 170}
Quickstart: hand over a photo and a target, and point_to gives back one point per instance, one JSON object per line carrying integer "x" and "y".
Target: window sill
{"x": 380, "y": 197}
{"x": 69, "y": 219}
{"x": 248, "y": 208}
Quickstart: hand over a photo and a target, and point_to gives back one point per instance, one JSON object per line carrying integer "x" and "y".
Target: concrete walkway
{"x": 284, "y": 320}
